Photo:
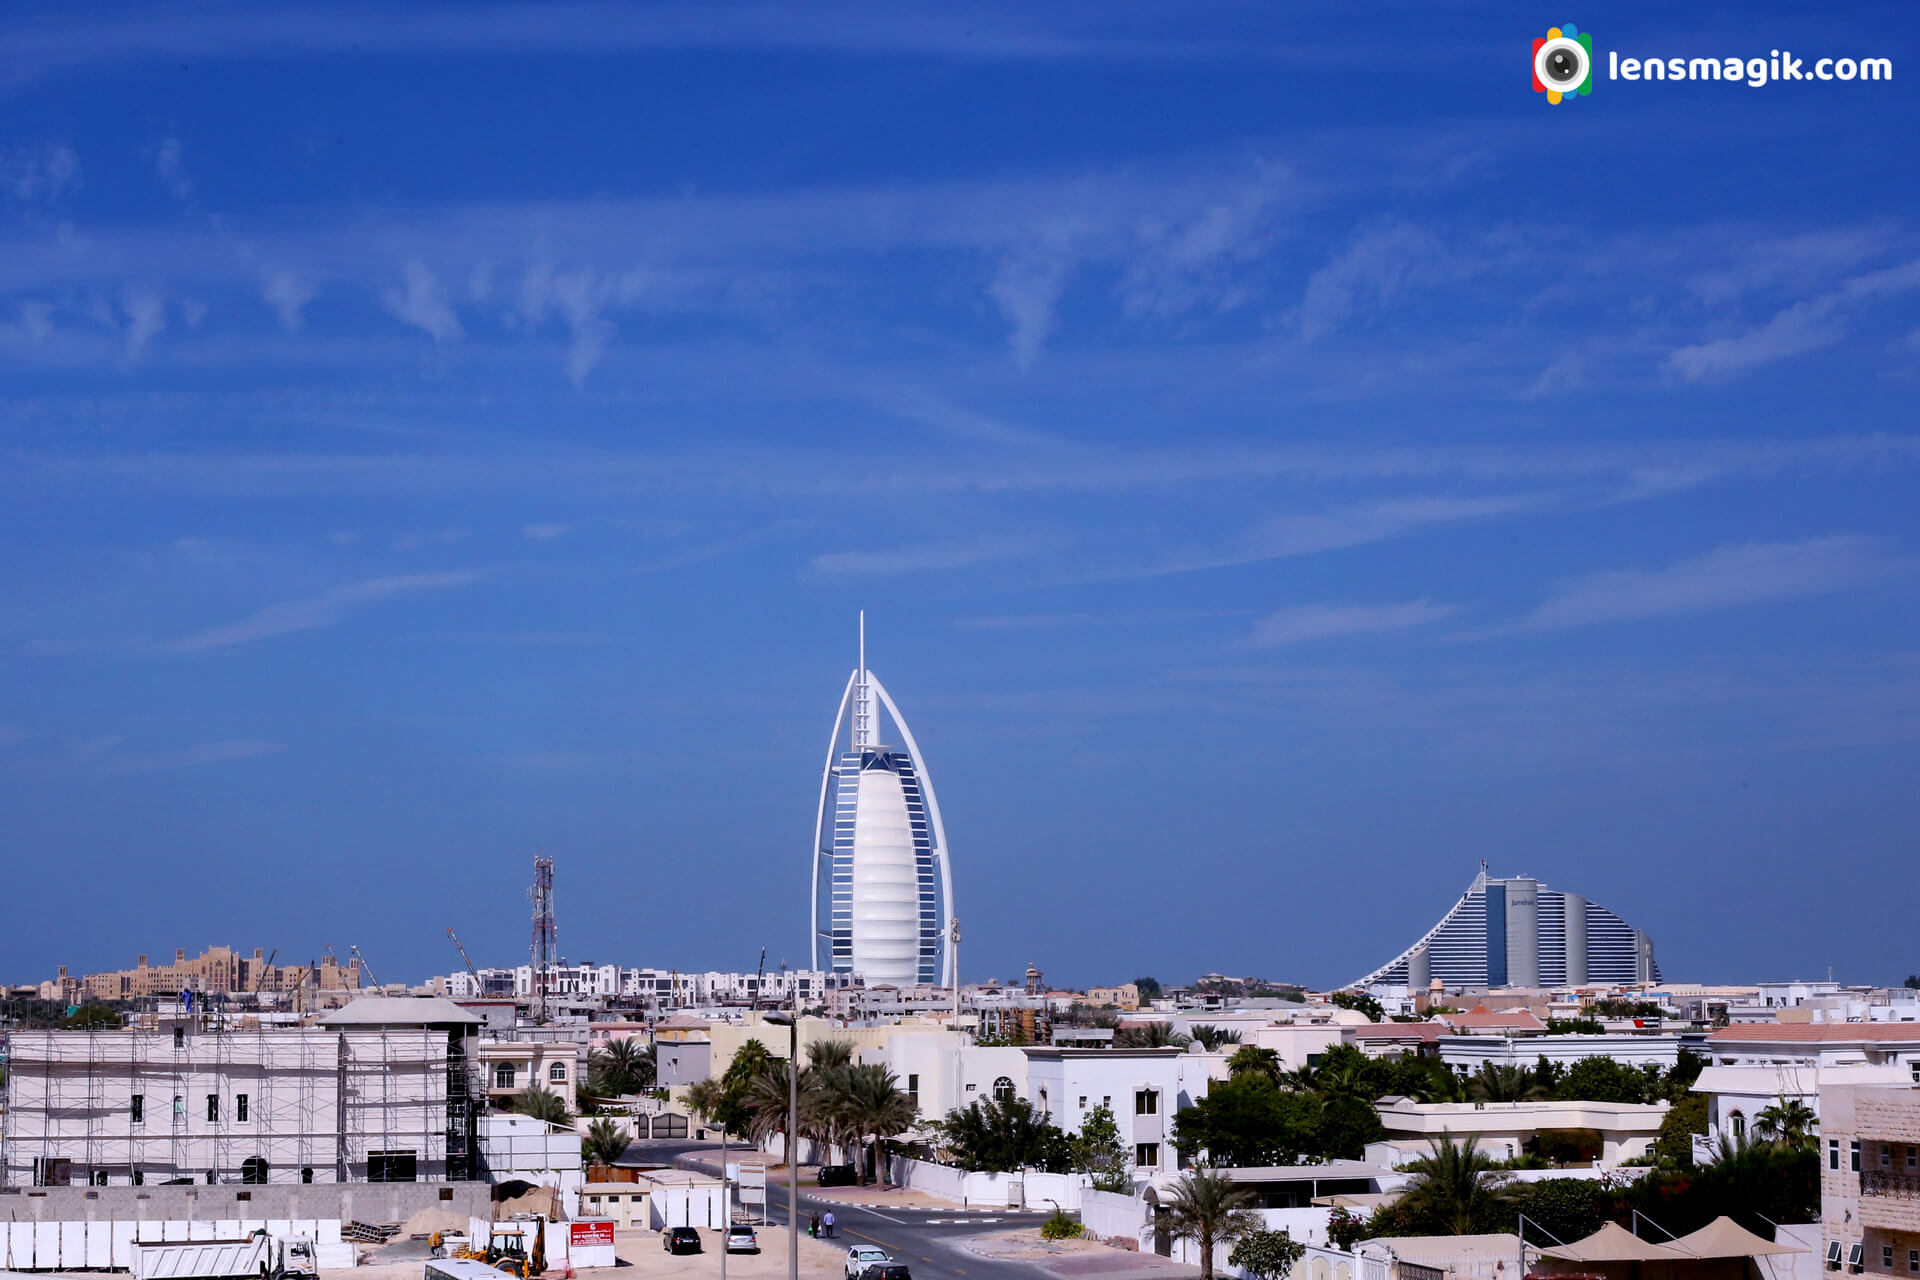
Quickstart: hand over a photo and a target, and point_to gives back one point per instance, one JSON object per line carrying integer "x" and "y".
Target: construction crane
{"x": 353, "y": 950}
{"x": 464, "y": 960}
{"x": 759, "y": 977}
{"x": 261, "y": 975}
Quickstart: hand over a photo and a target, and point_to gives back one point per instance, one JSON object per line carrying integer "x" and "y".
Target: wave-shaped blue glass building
{"x": 880, "y": 841}
{"x": 1517, "y": 932}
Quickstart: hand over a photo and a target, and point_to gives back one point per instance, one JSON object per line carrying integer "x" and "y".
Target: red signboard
{"x": 586, "y": 1234}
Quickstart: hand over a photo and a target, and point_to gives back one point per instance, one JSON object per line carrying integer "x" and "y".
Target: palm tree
{"x": 1209, "y": 1210}
{"x": 766, "y": 1104}
{"x": 1348, "y": 1080}
{"x": 542, "y": 1104}
{"x": 868, "y": 1102}
{"x": 1304, "y": 1079}
{"x": 1496, "y": 1083}
{"x": 1440, "y": 1085}
{"x": 1149, "y": 1035}
{"x": 1456, "y": 1188}
{"x": 707, "y": 1099}
{"x": 619, "y": 1068}
{"x": 605, "y": 1141}
{"x": 1789, "y": 1121}
{"x": 1213, "y": 1037}
{"x": 1257, "y": 1059}
{"x": 827, "y": 1055}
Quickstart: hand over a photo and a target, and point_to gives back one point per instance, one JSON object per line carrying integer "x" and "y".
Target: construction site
{"x": 383, "y": 1090}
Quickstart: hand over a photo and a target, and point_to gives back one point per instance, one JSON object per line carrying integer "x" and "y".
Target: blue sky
{"x": 1283, "y": 459}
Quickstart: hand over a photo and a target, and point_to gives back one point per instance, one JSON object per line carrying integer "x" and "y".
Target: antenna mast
{"x": 862, "y": 695}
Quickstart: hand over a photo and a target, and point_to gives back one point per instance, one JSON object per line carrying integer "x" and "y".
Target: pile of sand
{"x": 428, "y": 1221}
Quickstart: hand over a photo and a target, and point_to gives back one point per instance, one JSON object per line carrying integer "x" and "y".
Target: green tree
{"x": 992, "y": 1136}
{"x": 1566, "y": 1209}
{"x": 542, "y": 1104}
{"x": 1601, "y": 1079}
{"x": 1497, "y": 1082}
{"x": 870, "y": 1106}
{"x": 1347, "y": 1125}
{"x": 1149, "y": 988}
{"x": 1209, "y": 1210}
{"x": 620, "y": 1068}
{"x": 1099, "y": 1152}
{"x": 92, "y": 1016}
{"x": 1257, "y": 1059}
{"x": 1247, "y": 1121}
{"x": 1267, "y": 1254}
{"x": 1456, "y": 1190}
{"x": 1574, "y": 1027}
{"x": 1789, "y": 1121}
{"x": 605, "y": 1142}
{"x": 1150, "y": 1035}
{"x": 1360, "y": 1002}
{"x": 1673, "y": 1149}
{"x": 1680, "y": 1078}
{"x": 1912, "y": 982}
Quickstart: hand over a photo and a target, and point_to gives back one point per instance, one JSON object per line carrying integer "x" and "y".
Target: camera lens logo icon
{"x": 1563, "y": 63}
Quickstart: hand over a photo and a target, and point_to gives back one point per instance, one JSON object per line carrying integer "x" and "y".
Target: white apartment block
{"x": 1870, "y": 1179}
{"x": 664, "y": 988}
{"x": 1752, "y": 1067}
{"x": 379, "y": 1091}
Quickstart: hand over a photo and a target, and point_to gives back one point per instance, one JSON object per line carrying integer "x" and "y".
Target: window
{"x": 179, "y": 1037}
{"x": 391, "y": 1166}
{"x": 503, "y": 1076}
{"x": 1833, "y": 1153}
{"x": 253, "y": 1170}
{"x": 1147, "y": 1155}
{"x": 1886, "y": 1257}
{"x": 1106, "y": 1100}
{"x": 913, "y": 1089}
{"x": 1853, "y": 1155}
{"x": 1913, "y": 1259}
{"x": 239, "y": 1106}
{"x": 1913, "y": 1069}
{"x": 1083, "y": 1102}
{"x": 97, "y": 1178}
{"x": 1856, "y": 1257}
{"x": 139, "y": 1108}
{"x": 306, "y": 1174}
{"x": 213, "y": 1108}
{"x": 139, "y": 1178}
{"x": 1003, "y": 1090}
{"x": 1146, "y": 1103}
{"x": 1913, "y": 1157}
{"x": 1739, "y": 1123}
{"x": 1833, "y": 1254}
{"x": 179, "y": 1107}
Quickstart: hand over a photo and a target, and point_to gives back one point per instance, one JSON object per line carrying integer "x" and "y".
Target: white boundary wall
{"x": 95, "y": 1246}
{"x": 1027, "y": 1189}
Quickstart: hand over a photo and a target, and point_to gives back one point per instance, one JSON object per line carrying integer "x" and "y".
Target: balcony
{"x": 1887, "y": 1184}
{"x": 1889, "y": 1201}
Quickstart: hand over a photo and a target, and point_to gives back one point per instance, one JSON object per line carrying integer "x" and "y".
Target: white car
{"x": 862, "y": 1256}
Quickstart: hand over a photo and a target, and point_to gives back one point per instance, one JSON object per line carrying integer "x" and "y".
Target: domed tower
{"x": 879, "y": 840}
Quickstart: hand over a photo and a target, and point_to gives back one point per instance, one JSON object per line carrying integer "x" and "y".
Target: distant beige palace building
{"x": 1123, "y": 997}
{"x": 216, "y": 969}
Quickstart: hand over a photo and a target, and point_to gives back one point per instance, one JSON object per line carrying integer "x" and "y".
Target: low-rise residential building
{"x": 1125, "y": 997}
{"x": 511, "y": 1067}
{"x": 1625, "y": 1130}
{"x": 1467, "y": 1054}
{"x": 1753, "y": 1066}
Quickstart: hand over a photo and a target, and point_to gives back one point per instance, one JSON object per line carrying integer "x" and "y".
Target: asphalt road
{"x": 932, "y": 1242}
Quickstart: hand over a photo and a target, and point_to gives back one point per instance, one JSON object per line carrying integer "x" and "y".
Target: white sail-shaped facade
{"x": 880, "y": 841}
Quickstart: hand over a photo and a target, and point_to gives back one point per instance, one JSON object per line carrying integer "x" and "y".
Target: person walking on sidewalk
{"x": 813, "y": 1227}
{"x": 827, "y": 1222}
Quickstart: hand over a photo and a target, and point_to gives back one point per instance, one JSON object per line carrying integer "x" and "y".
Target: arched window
{"x": 1003, "y": 1089}
{"x": 557, "y": 1073}
{"x": 503, "y": 1075}
{"x": 1739, "y": 1123}
{"x": 253, "y": 1170}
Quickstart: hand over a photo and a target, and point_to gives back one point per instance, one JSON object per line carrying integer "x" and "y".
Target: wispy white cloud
{"x": 545, "y": 532}
{"x": 1805, "y": 326}
{"x": 169, "y": 162}
{"x": 1726, "y": 578}
{"x": 288, "y": 293}
{"x": 419, "y": 301}
{"x": 1375, "y": 269}
{"x": 324, "y": 610}
{"x": 1302, "y": 623}
{"x": 146, "y": 313}
{"x": 921, "y": 558}
{"x": 33, "y": 175}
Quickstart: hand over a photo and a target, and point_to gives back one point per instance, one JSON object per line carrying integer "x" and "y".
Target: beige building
{"x": 511, "y": 1067}
{"x": 1870, "y": 1178}
{"x": 1125, "y": 997}
{"x": 217, "y": 969}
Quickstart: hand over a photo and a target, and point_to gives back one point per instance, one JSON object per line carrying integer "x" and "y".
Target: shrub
{"x": 1060, "y": 1227}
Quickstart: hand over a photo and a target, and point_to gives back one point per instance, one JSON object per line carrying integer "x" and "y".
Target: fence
{"x": 1026, "y": 1189}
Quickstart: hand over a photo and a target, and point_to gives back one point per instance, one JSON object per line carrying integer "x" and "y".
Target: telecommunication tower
{"x": 545, "y": 949}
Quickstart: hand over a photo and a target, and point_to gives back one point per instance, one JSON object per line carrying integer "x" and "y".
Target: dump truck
{"x": 255, "y": 1257}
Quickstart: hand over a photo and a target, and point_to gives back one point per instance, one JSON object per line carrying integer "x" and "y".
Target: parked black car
{"x": 838, "y": 1175}
{"x": 681, "y": 1239}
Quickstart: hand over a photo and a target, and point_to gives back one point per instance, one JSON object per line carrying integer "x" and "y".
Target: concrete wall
{"x": 347, "y": 1202}
{"x": 1038, "y": 1191}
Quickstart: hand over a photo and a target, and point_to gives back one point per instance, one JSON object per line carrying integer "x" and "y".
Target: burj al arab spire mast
{"x": 879, "y": 840}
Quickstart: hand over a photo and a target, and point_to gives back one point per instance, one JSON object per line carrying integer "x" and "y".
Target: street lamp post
{"x": 791, "y": 1021}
